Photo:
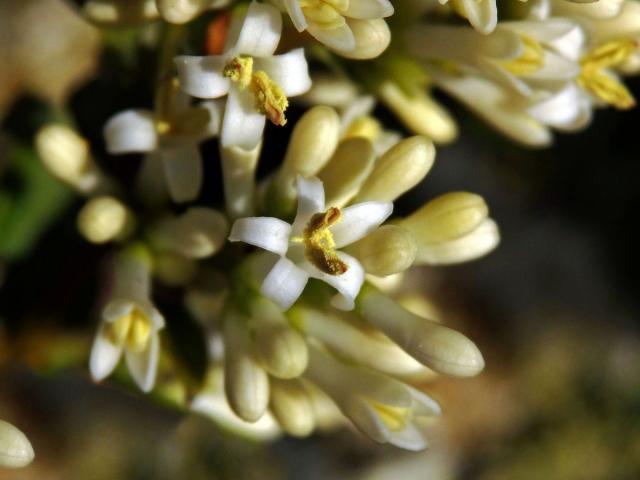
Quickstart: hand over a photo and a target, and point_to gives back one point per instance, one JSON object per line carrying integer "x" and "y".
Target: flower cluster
{"x": 289, "y": 279}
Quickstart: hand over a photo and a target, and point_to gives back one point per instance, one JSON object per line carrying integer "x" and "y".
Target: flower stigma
{"x": 133, "y": 328}
{"x": 319, "y": 246}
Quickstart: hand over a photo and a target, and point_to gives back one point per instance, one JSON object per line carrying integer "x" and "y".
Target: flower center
{"x": 133, "y": 329}
{"x": 530, "y": 60}
{"x": 327, "y": 13}
{"x": 394, "y": 418}
{"x": 596, "y": 80}
{"x": 270, "y": 100}
{"x": 319, "y": 246}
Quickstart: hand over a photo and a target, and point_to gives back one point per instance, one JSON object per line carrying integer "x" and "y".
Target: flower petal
{"x": 242, "y": 125}
{"x": 212, "y": 128}
{"x": 295, "y": 12}
{"x": 183, "y": 171}
{"x": 284, "y": 283}
{"x": 411, "y": 437}
{"x": 202, "y": 76}
{"x": 131, "y": 131}
{"x": 310, "y": 201}
{"x": 269, "y": 233}
{"x": 260, "y": 32}
{"x": 104, "y": 354}
{"x": 348, "y": 284}
{"x": 359, "y": 220}
{"x": 482, "y": 14}
{"x": 366, "y": 9}
{"x": 290, "y": 71}
{"x": 144, "y": 365}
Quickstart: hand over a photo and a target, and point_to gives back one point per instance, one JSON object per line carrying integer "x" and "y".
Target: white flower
{"x": 331, "y": 21}
{"x": 170, "y": 138}
{"x": 130, "y": 324}
{"x": 256, "y": 82}
{"x": 482, "y": 14}
{"x": 308, "y": 247}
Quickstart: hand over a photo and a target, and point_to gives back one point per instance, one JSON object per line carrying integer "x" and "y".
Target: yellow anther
{"x": 529, "y": 61}
{"x": 319, "y": 246}
{"x": 364, "y": 127}
{"x": 133, "y": 328}
{"x": 163, "y": 127}
{"x": 239, "y": 70}
{"x": 609, "y": 54}
{"x": 394, "y": 418}
{"x": 325, "y": 12}
{"x": 270, "y": 99}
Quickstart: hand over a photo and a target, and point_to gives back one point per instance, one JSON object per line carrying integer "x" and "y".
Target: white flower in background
{"x": 130, "y": 323}
{"x": 169, "y": 137}
{"x": 331, "y": 22}
{"x": 15, "y": 449}
{"x": 256, "y": 82}
{"x": 308, "y": 247}
{"x": 482, "y": 14}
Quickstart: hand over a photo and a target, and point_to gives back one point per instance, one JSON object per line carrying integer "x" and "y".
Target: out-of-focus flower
{"x": 15, "y": 449}
{"x": 130, "y": 322}
{"x": 134, "y": 12}
{"x": 256, "y": 82}
{"x": 169, "y": 136}
{"x": 104, "y": 219}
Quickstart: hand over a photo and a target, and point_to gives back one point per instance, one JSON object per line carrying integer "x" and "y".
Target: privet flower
{"x": 130, "y": 322}
{"x": 256, "y": 82}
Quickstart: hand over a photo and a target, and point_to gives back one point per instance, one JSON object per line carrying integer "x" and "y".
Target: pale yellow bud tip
{"x": 282, "y": 351}
{"x": 15, "y": 449}
{"x": 389, "y": 249}
{"x": 104, "y": 219}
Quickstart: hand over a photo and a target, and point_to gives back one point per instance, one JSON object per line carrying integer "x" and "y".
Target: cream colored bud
{"x": 387, "y": 250}
{"x": 246, "y": 383}
{"x": 598, "y": 9}
{"x": 15, "y": 449}
{"x": 475, "y": 244}
{"x": 372, "y": 38}
{"x": 327, "y": 417}
{"x": 400, "y": 169}
{"x": 180, "y": 11}
{"x": 198, "y": 233}
{"x": 347, "y": 170}
{"x": 624, "y": 25}
{"x": 420, "y": 113}
{"x": 447, "y": 217}
{"x": 67, "y": 156}
{"x": 104, "y": 219}
{"x": 436, "y": 346}
{"x": 291, "y": 406}
{"x": 173, "y": 269}
{"x": 330, "y": 90}
{"x": 120, "y": 12}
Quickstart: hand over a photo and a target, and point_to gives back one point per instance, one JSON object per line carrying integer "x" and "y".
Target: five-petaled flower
{"x": 256, "y": 82}
{"x": 308, "y": 247}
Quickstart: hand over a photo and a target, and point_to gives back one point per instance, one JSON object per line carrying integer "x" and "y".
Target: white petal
{"x": 242, "y": 125}
{"x": 310, "y": 201}
{"x": 339, "y": 38}
{"x": 410, "y": 438}
{"x": 116, "y": 309}
{"x": 284, "y": 283}
{"x": 144, "y": 365}
{"x": 348, "y": 284}
{"x": 482, "y": 14}
{"x": 260, "y": 32}
{"x": 297, "y": 16}
{"x": 183, "y": 171}
{"x": 269, "y": 233}
{"x": 202, "y": 76}
{"x": 131, "y": 131}
{"x": 290, "y": 71}
{"x": 559, "y": 110}
{"x": 366, "y": 9}
{"x": 104, "y": 354}
{"x": 359, "y": 220}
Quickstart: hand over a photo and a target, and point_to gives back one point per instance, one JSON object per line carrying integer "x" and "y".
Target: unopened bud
{"x": 181, "y": 11}
{"x": 15, "y": 449}
{"x": 291, "y": 406}
{"x": 120, "y": 12}
{"x": 104, "y": 219}
{"x": 400, "y": 169}
{"x": 372, "y": 38}
{"x": 347, "y": 170}
{"x": 419, "y": 113}
{"x": 447, "y": 217}
{"x": 387, "y": 250}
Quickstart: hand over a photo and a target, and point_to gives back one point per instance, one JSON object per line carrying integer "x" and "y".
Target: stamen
{"x": 133, "y": 328}
{"x": 270, "y": 99}
{"x": 319, "y": 244}
{"x": 240, "y": 70}
{"x": 394, "y": 418}
{"x": 530, "y": 60}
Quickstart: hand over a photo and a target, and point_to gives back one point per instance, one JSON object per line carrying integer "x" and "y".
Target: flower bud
{"x": 400, "y": 169}
{"x": 600, "y": 9}
{"x": 67, "y": 156}
{"x": 347, "y": 170}
{"x": 475, "y": 244}
{"x": 181, "y": 11}
{"x": 120, "y": 12}
{"x": 104, "y": 219}
{"x": 419, "y": 113}
{"x": 387, "y": 250}
{"x": 246, "y": 383}
{"x": 15, "y": 449}
{"x": 447, "y": 217}
{"x": 372, "y": 38}
{"x": 330, "y": 90}
{"x": 436, "y": 346}
{"x": 290, "y": 405}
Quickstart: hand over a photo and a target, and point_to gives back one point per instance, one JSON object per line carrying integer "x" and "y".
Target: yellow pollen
{"x": 134, "y": 329}
{"x": 239, "y": 70}
{"x": 270, "y": 99}
{"x": 604, "y": 85}
{"x": 394, "y": 418}
{"x": 365, "y": 127}
{"x": 530, "y": 60}
{"x": 319, "y": 246}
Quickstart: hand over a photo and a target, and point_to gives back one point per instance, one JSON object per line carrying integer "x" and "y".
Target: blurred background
{"x": 554, "y": 310}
